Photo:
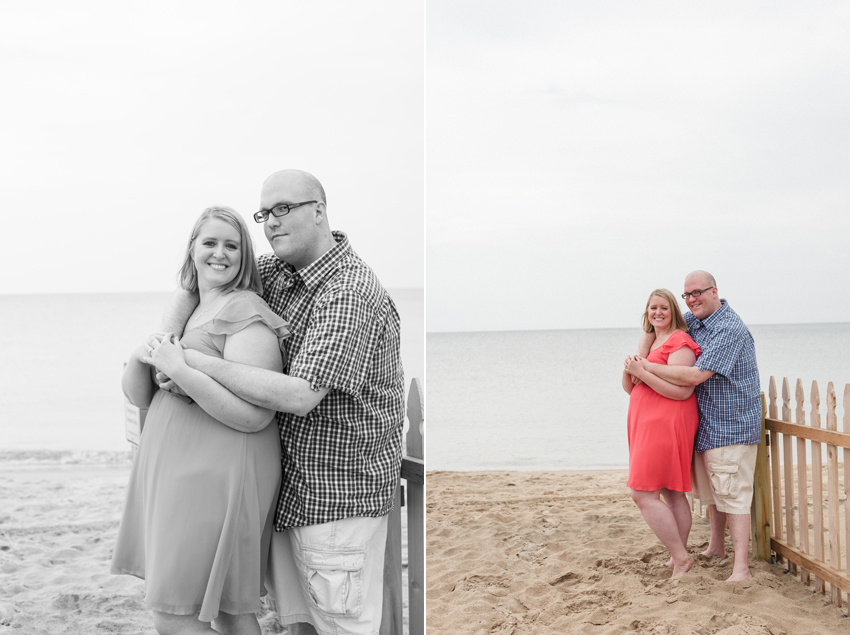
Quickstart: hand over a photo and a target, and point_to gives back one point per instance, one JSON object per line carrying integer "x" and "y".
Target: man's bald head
{"x": 702, "y": 278}
{"x": 297, "y": 180}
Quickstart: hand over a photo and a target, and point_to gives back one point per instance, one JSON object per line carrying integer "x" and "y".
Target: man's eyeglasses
{"x": 281, "y": 209}
{"x": 685, "y": 296}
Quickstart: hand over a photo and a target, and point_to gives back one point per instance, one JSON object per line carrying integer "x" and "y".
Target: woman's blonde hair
{"x": 248, "y": 277}
{"x": 677, "y": 323}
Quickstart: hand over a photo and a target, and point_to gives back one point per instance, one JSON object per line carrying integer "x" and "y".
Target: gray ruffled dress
{"x": 201, "y": 499}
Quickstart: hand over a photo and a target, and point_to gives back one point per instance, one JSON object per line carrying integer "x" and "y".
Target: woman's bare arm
{"x": 256, "y": 345}
{"x": 681, "y": 357}
{"x": 137, "y": 381}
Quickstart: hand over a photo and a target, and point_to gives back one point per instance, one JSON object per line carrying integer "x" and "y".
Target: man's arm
{"x": 259, "y": 386}
{"x": 679, "y": 375}
{"x": 645, "y": 343}
{"x": 178, "y": 311}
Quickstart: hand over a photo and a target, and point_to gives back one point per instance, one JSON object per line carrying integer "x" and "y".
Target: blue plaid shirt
{"x": 730, "y": 400}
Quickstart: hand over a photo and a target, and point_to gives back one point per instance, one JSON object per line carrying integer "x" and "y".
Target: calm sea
{"x": 535, "y": 400}
{"x": 62, "y": 357}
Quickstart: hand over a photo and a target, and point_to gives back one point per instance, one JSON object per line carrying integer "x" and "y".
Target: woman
{"x": 662, "y": 422}
{"x": 197, "y": 521}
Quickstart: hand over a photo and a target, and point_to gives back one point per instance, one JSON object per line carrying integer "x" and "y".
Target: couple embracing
{"x": 694, "y": 421}
{"x": 272, "y": 445}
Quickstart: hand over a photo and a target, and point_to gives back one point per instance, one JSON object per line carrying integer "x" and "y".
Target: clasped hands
{"x": 165, "y": 353}
{"x": 634, "y": 365}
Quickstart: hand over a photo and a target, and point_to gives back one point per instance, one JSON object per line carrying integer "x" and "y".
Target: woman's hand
{"x": 634, "y": 365}
{"x": 167, "y": 355}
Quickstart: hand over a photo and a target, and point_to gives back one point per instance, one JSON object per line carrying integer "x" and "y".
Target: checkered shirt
{"x": 343, "y": 458}
{"x": 730, "y": 400}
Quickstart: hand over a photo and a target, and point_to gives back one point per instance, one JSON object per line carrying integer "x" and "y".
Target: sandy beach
{"x": 568, "y": 552}
{"x": 58, "y": 523}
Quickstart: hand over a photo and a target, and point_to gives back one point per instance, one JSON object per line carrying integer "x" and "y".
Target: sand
{"x": 568, "y": 552}
{"x": 58, "y": 524}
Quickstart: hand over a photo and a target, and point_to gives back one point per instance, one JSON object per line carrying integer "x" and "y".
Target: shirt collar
{"x": 314, "y": 273}
{"x": 715, "y": 317}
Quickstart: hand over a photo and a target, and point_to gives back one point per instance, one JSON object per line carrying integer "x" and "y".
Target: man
{"x": 727, "y": 389}
{"x": 340, "y": 410}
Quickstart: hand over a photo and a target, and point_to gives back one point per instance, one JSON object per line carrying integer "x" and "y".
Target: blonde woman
{"x": 662, "y": 424}
{"x": 197, "y": 523}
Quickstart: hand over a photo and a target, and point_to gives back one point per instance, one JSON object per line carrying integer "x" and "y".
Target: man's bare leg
{"x": 717, "y": 542}
{"x": 739, "y": 528}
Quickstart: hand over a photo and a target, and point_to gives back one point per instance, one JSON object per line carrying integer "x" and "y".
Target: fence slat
{"x": 832, "y": 492}
{"x": 415, "y": 444}
{"x": 412, "y": 470}
{"x": 760, "y": 515}
{"x": 802, "y": 481}
{"x": 846, "y": 457}
{"x": 788, "y": 465}
{"x": 392, "y": 613}
{"x": 817, "y": 484}
{"x": 774, "y": 468}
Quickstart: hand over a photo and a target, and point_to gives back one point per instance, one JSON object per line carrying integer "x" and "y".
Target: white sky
{"x": 122, "y": 122}
{"x": 581, "y": 154}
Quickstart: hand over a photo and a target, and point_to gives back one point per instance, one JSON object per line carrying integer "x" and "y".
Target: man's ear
{"x": 321, "y": 210}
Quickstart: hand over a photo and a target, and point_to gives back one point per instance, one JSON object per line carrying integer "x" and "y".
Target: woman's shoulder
{"x": 242, "y": 310}
{"x": 678, "y": 339}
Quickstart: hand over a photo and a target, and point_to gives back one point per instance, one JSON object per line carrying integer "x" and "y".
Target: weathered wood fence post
{"x": 412, "y": 497}
{"x": 760, "y": 514}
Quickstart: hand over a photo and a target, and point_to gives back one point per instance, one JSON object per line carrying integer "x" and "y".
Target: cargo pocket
{"x": 724, "y": 481}
{"x": 334, "y": 580}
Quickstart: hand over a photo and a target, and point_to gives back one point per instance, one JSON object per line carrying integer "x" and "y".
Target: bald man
{"x": 340, "y": 410}
{"x": 727, "y": 388}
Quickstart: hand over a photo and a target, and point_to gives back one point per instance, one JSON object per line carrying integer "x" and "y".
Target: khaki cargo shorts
{"x": 724, "y": 477}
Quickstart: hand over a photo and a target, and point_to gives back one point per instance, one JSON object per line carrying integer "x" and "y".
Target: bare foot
{"x": 737, "y": 577}
{"x": 714, "y": 554}
{"x": 669, "y": 563}
{"x": 677, "y": 571}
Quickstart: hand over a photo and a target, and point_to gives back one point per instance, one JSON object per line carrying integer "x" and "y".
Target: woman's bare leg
{"x": 678, "y": 504}
{"x": 167, "y": 624}
{"x": 662, "y": 521}
{"x": 242, "y": 624}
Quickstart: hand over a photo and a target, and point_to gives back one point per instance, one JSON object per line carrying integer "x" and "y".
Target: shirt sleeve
{"x": 721, "y": 351}
{"x": 337, "y": 345}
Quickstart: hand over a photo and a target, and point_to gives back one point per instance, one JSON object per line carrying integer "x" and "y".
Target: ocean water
{"x": 62, "y": 358}
{"x": 552, "y": 400}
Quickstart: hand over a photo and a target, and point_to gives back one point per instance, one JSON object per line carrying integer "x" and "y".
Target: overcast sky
{"x": 121, "y": 122}
{"x": 581, "y": 154}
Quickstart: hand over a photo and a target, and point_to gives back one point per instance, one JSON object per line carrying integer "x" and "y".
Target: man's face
{"x": 293, "y": 237}
{"x": 707, "y": 302}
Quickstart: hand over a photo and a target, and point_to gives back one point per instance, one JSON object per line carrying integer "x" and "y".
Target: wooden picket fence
{"x": 412, "y": 496}
{"x": 413, "y": 473}
{"x": 802, "y": 525}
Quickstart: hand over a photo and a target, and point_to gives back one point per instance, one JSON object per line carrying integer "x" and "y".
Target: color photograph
{"x": 637, "y": 224}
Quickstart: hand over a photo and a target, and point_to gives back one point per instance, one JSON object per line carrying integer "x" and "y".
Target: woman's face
{"x": 660, "y": 313}
{"x": 217, "y": 253}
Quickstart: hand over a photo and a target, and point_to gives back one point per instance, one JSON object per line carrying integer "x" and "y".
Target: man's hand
{"x": 167, "y": 384}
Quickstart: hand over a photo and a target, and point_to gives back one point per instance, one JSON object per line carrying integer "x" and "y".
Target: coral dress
{"x": 662, "y": 430}
{"x": 200, "y": 503}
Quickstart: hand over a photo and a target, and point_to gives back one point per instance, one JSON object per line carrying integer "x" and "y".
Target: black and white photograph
{"x": 213, "y": 317}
